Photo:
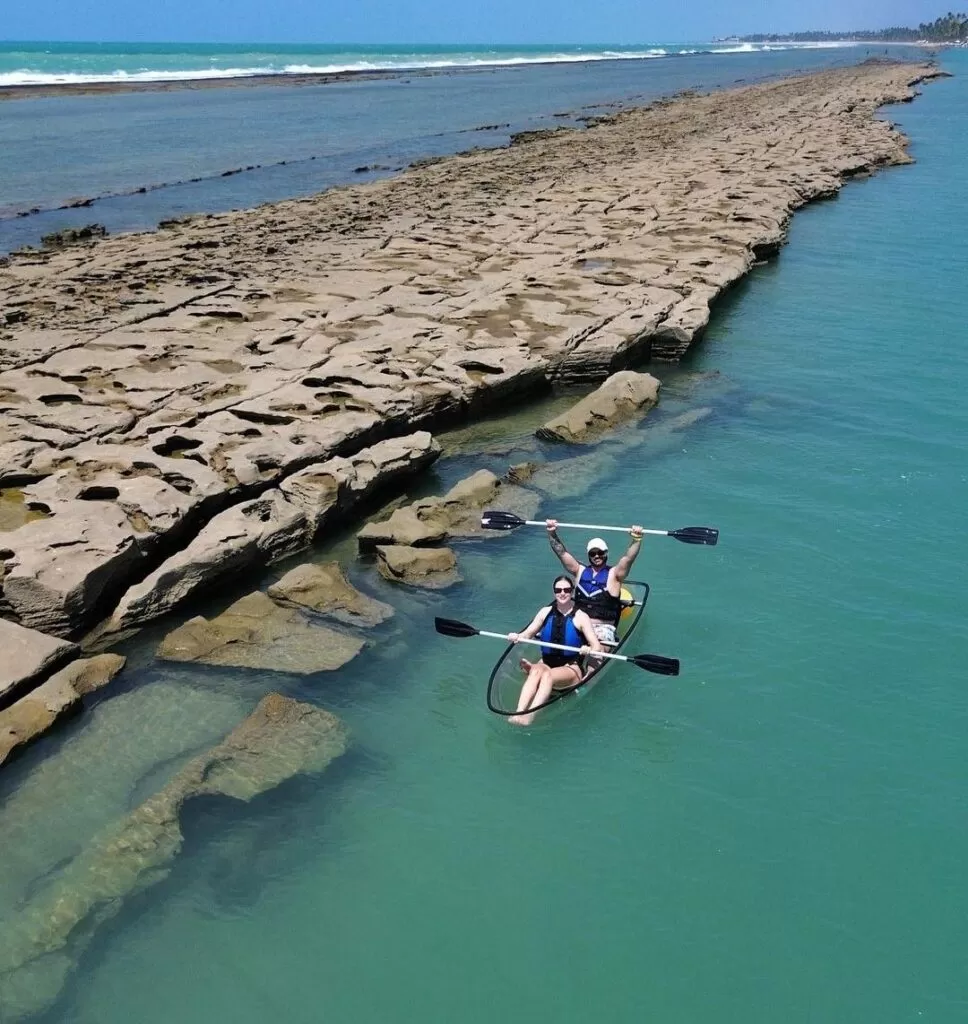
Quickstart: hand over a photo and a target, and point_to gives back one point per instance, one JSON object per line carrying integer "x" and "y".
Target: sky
{"x": 442, "y": 21}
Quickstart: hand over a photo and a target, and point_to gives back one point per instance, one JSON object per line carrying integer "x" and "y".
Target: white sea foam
{"x": 832, "y": 44}
{"x": 30, "y": 76}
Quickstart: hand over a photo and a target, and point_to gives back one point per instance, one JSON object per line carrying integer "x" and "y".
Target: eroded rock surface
{"x": 255, "y": 532}
{"x": 430, "y": 521}
{"x": 622, "y": 398}
{"x": 27, "y": 656}
{"x": 280, "y": 739}
{"x": 255, "y": 632}
{"x": 324, "y": 589}
{"x": 279, "y": 523}
{"x": 31, "y": 716}
{"x": 435, "y": 568}
{"x": 331, "y": 491}
{"x": 150, "y": 382}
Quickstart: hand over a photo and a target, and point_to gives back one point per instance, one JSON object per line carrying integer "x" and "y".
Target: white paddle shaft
{"x": 556, "y": 647}
{"x": 586, "y": 526}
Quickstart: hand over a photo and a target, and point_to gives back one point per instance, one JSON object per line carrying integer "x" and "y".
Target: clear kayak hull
{"x": 504, "y": 683}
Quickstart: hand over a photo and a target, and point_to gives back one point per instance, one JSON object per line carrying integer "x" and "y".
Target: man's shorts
{"x": 605, "y": 632}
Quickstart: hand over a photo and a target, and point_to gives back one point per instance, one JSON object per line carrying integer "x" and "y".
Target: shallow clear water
{"x": 778, "y": 834}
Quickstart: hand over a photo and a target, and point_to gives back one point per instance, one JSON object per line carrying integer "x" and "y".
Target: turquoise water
{"x": 43, "y": 63}
{"x": 778, "y": 834}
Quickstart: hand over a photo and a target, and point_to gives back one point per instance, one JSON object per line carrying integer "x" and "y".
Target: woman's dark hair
{"x": 567, "y": 579}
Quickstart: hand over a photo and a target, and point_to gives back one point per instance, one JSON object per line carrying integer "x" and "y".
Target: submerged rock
{"x": 326, "y": 590}
{"x": 568, "y": 478}
{"x": 522, "y": 472}
{"x": 280, "y": 739}
{"x": 434, "y": 568}
{"x": 256, "y": 633}
{"x": 624, "y": 397}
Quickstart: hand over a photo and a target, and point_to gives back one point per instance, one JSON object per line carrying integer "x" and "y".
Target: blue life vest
{"x": 592, "y": 597}
{"x": 559, "y": 629}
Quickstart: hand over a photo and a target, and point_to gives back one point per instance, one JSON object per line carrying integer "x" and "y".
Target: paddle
{"x": 650, "y": 662}
{"x": 493, "y": 520}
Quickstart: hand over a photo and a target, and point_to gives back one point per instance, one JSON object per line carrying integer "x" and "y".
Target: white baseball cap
{"x": 596, "y": 543}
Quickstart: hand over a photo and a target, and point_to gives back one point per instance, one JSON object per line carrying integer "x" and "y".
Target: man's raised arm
{"x": 568, "y": 560}
{"x": 624, "y": 564}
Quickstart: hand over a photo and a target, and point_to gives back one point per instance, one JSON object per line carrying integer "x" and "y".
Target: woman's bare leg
{"x": 567, "y": 676}
{"x": 545, "y": 680}
{"x": 528, "y": 691}
{"x": 546, "y": 684}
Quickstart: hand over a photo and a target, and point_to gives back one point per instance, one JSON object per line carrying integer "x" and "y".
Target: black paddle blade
{"x": 696, "y": 535}
{"x": 657, "y": 664}
{"x": 501, "y": 521}
{"x": 451, "y": 627}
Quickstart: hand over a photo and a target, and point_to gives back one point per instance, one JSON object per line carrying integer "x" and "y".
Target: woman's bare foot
{"x": 526, "y": 665}
{"x": 521, "y": 719}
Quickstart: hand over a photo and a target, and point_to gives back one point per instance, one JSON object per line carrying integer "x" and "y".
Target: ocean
{"x": 50, "y": 63}
{"x": 779, "y": 833}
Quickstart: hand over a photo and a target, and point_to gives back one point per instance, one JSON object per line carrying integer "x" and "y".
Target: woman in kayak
{"x": 558, "y": 623}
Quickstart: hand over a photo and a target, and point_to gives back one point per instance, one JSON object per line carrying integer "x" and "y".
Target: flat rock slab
{"x": 31, "y": 716}
{"x": 27, "y": 655}
{"x": 324, "y": 589}
{"x": 623, "y": 398}
{"x": 254, "y": 532}
{"x": 434, "y": 568}
{"x": 433, "y": 520}
{"x": 330, "y": 491}
{"x": 256, "y": 633}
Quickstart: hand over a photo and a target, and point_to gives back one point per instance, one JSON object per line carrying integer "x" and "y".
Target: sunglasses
{"x": 598, "y": 552}
{"x": 563, "y": 590}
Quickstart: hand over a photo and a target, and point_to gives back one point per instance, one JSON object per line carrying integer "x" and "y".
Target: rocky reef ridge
{"x": 180, "y": 405}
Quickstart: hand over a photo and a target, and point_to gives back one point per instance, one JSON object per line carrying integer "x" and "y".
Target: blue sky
{"x": 442, "y": 21}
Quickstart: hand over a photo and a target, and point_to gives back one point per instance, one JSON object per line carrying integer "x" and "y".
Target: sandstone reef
{"x": 185, "y": 404}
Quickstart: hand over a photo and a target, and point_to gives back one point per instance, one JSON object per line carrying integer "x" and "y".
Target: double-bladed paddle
{"x": 493, "y": 520}
{"x": 650, "y": 662}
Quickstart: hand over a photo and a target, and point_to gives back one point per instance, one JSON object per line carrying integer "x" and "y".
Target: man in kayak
{"x": 558, "y": 623}
{"x": 598, "y": 584}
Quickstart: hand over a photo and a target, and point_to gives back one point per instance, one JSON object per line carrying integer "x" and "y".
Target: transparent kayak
{"x": 504, "y": 684}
